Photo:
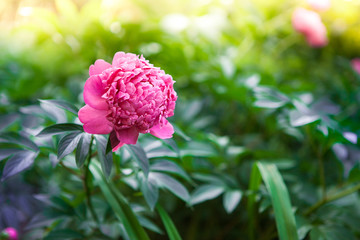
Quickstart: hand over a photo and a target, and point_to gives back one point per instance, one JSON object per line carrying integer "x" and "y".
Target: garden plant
{"x": 194, "y": 120}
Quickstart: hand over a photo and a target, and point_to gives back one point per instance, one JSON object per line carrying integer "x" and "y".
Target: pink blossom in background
{"x": 319, "y": 5}
{"x": 310, "y": 25}
{"x": 355, "y": 63}
{"x": 128, "y": 97}
{"x": 11, "y": 232}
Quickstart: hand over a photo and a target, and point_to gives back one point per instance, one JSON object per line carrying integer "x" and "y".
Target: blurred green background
{"x": 47, "y": 46}
{"x": 230, "y": 60}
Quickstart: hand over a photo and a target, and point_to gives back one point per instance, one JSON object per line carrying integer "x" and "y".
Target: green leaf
{"x": 331, "y": 232}
{"x": 67, "y": 144}
{"x": 150, "y": 190}
{"x": 61, "y": 204}
{"x": 18, "y": 163}
{"x": 255, "y": 181}
{"x": 284, "y": 216}
{"x": 269, "y": 98}
{"x": 303, "y": 231}
{"x": 7, "y": 120}
{"x": 106, "y": 159}
{"x": 82, "y": 149}
{"x": 181, "y": 133}
{"x": 171, "y": 144}
{"x": 169, "y": 167}
{"x": 161, "y": 152}
{"x": 171, "y": 230}
{"x": 56, "y": 114}
{"x": 140, "y": 156}
{"x": 208, "y": 178}
{"x": 264, "y": 103}
{"x": 63, "y": 234}
{"x": 231, "y": 199}
{"x": 303, "y": 226}
{"x": 59, "y": 129}
{"x": 206, "y": 192}
{"x": 198, "y": 149}
{"x": 146, "y": 223}
{"x": 10, "y": 137}
{"x": 354, "y": 174}
{"x": 7, "y": 152}
{"x": 298, "y": 118}
{"x": 119, "y": 205}
{"x": 108, "y": 146}
{"x": 171, "y": 184}
{"x": 193, "y": 108}
{"x": 63, "y": 105}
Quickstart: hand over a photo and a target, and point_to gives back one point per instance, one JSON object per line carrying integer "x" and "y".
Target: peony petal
{"x": 317, "y": 39}
{"x": 93, "y": 90}
{"x": 119, "y": 56}
{"x": 305, "y": 21}
{"x": 94, "y": 120}
{"x": 98, "y": 67}
{"x": 128, "y": 135}
{"x": 87, "y": 114}
{"x": 355, "y": 63}
{"x": 166, "y": 131}
{"x": 310, "y": 25}
{"x": 118, "y": 146}
{"x": 319, "y": 5}
{"x": 12, "y": 233}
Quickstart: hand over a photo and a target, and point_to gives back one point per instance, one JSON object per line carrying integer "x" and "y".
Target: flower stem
{"x": 86, "y": 182}
{"x": 319, "y": 154}
{"x": 322, "y": 177}
{"x": 334, "y": 197}
{"x": 70, "y": 170}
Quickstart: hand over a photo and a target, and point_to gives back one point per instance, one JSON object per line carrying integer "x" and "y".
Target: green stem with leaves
{"x": 87, "y": 180}
{"x": 334, "y": 197}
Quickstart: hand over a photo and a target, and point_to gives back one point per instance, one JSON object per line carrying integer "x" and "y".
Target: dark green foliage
{"x": 18, "y": 163}
{"x": 169, "y": 225}
{"x": 62, "y": 104}
{"x": 106, "y": 158}
{"x": 266, "y": 127}
{"x": 67, "y": 144}
{"x": 82, "y": 150}
{"x": 140, "y": 157}
{"x": 59, "y": 129}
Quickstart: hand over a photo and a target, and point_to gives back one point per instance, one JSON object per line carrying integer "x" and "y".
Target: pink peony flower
{"x": 128, "y": 97}
{"x": 310, "y": 25}
{"x": 11, "y": 232}
{"x": 355, "y": 63}
{"x": 319, "y": 5}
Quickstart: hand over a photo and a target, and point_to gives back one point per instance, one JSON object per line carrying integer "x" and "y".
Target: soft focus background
{"x": 249, "y": 86}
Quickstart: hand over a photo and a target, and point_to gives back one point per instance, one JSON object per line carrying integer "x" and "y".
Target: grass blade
{"x": 120, "y": 206}
{"x": 171, "y": 230}
{"x": 255, "y": 181}
{"x": 284, "y": 216}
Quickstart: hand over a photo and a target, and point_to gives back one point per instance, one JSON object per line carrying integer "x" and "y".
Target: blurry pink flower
{"x": 128, "y": 97}
{"x": 11, "y": 232}
{"x": 310, "y": 25}
{"x": 319, "y": 5}
{"x": 355, "y": 63}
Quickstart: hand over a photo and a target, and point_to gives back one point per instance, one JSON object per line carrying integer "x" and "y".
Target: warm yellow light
{"x": 25, "y": 11}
